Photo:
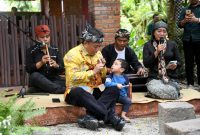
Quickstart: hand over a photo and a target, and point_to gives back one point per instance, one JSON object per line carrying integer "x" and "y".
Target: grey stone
{"x": 186, "y": 127}
{"x": 173, "y": 112}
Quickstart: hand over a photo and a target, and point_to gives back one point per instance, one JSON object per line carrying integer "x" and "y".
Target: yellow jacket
{"x": 79, "y": 68}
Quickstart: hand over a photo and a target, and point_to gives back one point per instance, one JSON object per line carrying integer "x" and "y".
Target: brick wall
{"x": 105, "y": 15}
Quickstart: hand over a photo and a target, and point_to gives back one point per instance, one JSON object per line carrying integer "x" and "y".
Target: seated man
{"x": 44, "y": 64}
{"x": 120, "y": 49}
{"x": 84, "y": 69}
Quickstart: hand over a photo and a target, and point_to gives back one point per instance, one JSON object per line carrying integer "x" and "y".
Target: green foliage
{"x": 137, "y": 44}
{"x": 139, "y": 14}
{"x": 25, "y": 6}
{"x": 12, "y": 116}
{"x": 186, "y": 3}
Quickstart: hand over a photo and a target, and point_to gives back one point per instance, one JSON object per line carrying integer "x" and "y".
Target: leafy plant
{"x": 12, "y": 116}
{"x": 139, "y": 14}
{"x": 24, "y": 6}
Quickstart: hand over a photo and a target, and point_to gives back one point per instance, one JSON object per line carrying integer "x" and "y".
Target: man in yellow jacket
{"x": 85, "y": 69}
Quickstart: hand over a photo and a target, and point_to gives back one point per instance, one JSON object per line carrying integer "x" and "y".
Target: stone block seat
{"x": 173, "y": 112}
{"x": 185, "y": 127}
{"x": 60, "y": 112}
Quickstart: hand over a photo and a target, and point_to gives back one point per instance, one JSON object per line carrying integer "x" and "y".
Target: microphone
{"x": 162, "y": 40}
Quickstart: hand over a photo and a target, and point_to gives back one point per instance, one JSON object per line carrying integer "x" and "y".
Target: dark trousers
{"x": 191, "y": 53}
{"x": 126, "y": 102}
{"x": 102, "y": 108}
{"x": 44, "y": 84}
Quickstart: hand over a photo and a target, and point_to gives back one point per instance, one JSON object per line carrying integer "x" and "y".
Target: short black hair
{"x": 124, "y": 64}
{"x": 156, "y": 14}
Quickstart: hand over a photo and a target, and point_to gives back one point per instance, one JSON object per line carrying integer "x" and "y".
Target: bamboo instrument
{"x": 47, "y": 51}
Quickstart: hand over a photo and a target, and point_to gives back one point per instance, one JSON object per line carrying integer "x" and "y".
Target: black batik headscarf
{"x": 122, "y": 33}
{"x": 92, "y": 34}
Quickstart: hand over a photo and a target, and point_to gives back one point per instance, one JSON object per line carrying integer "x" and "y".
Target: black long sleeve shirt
{"x": 110, "y": 55}
{"x": 151, "y": 62}
{"x": 191, "y": 30}
{"x": 34, "y": 54}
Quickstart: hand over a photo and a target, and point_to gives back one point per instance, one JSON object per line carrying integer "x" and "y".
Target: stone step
{"x": 185, "y": 127}
{"x": 174, "y": 111}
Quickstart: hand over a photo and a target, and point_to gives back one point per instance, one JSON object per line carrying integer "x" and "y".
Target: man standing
{"x": 44, "y": 64}
{"x": 189, "y": 20}
{"x": 156, "y": 18}
{"x": 85, "y": 69}
{"x": 120, "y": 49}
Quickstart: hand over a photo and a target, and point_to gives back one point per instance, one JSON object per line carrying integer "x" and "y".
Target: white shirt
{"x": 121, "y": 54}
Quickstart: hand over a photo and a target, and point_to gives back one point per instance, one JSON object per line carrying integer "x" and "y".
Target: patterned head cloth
{"x": 42, "y": 30}
{"x": 122, "y": 33}
{"x": 92, "y": 34}
{"x": 159, "y": 24}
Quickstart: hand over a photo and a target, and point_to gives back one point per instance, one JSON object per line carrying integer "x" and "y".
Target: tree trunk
{"x": 171, "y": 19}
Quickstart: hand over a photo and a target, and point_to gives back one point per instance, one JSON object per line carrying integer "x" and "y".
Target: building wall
{"x": 105, "y": 15}
{"x": 71, "y": 7}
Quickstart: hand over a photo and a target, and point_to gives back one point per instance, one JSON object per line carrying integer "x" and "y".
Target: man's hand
{"x": 194, "y": 19}
{"x": 191, "y": 18}
{"x": 45, "y": 59}
{"x": 102, "y": 60}
{"x": 140, "y": 71}
{"x": 109, "y": 70}
{"x": 188, "y": 18}
{"x": 53, "y": 63}
{"x": 98, "y": 68}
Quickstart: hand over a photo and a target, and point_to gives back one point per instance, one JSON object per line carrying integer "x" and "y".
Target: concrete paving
{"x": 138, "y": 126}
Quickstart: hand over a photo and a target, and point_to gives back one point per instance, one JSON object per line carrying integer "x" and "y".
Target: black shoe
{"x": 101, "y": 124}
{"x": 81, "y": 122}
{"x": 117, "y": 123}
{"x": 88, "y": 122}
